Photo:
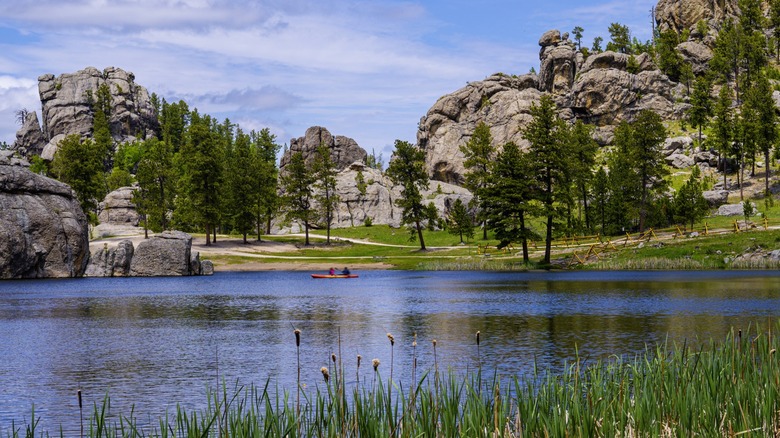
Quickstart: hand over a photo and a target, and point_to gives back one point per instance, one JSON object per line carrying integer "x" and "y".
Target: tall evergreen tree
{"x": 601, "y": 196}
{"x": 759, "y": 98}
{"x": 267, "y": 200}
{"x": 200, "y": 163}
{"x": 478, "y": 153}
{"x": 459, "y": 221}
{"x": 156, "y": 184}
{"x": 325, "y": 174}
{"x": 669, "y": 60}
{"x": 79, "y": 164}
{"x": 551, "y": 162}
{"x": 297, "y": 192}
{"x": 241, "y": 173}
{"x": 701, "y": 105}
{"x": 407, "y": 169}
{"x": 621, "y": 38}
{"x": 723, "y": 129}
{"x": 510, "y": 194}
{"x": 583, "y": 150}
{"x": 689, "y": 203}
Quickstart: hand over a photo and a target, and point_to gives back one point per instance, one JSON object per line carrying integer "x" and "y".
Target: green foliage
{"x": 118, "y": 178}
{"x": 620, "y": 38}
{"x": 407, "y": 169}
{"x": 582, "y": 149}
{"x": 242, "y": 170}
{"x": 702, "y": 29}
{"x": 478, "y": 153}
{"x": 577, "y": 34}
{"x": 509, "y": 197}
{"x": 375, "y": 161}
{"x": 101, "y": 131}
{"x": 368, "y": 222}
{"x": 701, "y": 105}
{"x": 748, "y": 210}
{"x": 325, "y": 172}
{"x": 266, "y": 198}
{"x": 759, "y": 101}
{"x": 79, "y": 164}
{"x": 128, "y": 155}
{"x": 689, "y": 203}
{"x": 596, "y": 47}
{"x": 459, "y": 221}
{"x": 297, "y": 192}
{"x": 669, "y": 60}
{"x": 157, "y": 184}
{"x": 632, "y": 66}
{"x": 360, "y": 183}
{"x": 38, "y": 165}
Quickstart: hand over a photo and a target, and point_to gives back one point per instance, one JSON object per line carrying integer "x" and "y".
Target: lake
{"x": 154, "y": 342}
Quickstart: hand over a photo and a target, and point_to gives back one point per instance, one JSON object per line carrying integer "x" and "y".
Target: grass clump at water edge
{"x": 727, "y": 388}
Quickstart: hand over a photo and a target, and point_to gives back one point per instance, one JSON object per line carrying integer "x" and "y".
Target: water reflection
{"x": 153, "y": 343}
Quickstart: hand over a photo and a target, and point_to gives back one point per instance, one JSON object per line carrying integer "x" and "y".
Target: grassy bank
{"x": 727, "y": 388}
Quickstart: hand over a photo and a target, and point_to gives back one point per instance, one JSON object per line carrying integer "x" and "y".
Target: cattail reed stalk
{"x": 81, "y": 414}
{"x": 298, "y": 355}
{"x": 392, "y": 345}
{"x": 325, "y": 374}
{"x": 375, "y": 364}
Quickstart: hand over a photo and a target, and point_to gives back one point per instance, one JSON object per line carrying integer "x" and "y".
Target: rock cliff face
{"x": 118, "y": 209}
{"x": 43, "y": 232}
{"x": 166, "y": 254}
{"x": 680, "y": 15}
{"x": 600, "y": 90}
{"x": 501, "y": 101}
{"x": 66, "y": 108}
{"x": 343, "y": 150}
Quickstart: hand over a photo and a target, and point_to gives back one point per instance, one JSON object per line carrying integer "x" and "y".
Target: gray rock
{"x": 732, "y": 210}
{"x": 207, "y": 267}
{"x": 775, "y": 255}
{"x": 549, "y": 38}
{"x": 558, "y": 67}
{"x": 117, "y": 208}
{"x": 29, "y": 139}
{"x": 680, "y": 15}
{"x": 51, "y": 147}
{"x": 677, "y": 145}
{"x": 503, "y": 102}
{"x": 195, "y": 265}
{"x": 66, "y": 108}
{"x": 166, "y": 254}
{"x": 696, "y": 54}
{"x": 716, "y": 198}
{"x": 679, "y": 161}
{"x": 343, "y": 150}
{"x": 101, "y": 263}
{"x": 43, "y": 232}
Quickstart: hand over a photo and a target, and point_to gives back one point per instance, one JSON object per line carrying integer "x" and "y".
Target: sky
{"x": 366, "y": 69}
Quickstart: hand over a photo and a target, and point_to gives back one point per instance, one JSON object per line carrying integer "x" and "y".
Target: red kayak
{"x": 334, "y": 276}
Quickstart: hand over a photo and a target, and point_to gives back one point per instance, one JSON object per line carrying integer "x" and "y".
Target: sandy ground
{"x": 236, "y": 247}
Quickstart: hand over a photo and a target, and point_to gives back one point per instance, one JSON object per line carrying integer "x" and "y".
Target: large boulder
{"x": 697, "y": 54}
{"x": 343, "y": 150}
{"x": 716, "y": 198}
{"x": 111, "y": 262}
{"x": 117, "y": 208}
{"x": 732, "y": 210}
{"x": 67, "y": 109}
{"x": 165, "y": 254}
{"x": 43, "y": 231}
{"x": 679, "y": 161}
{"x": 503, "y": 102}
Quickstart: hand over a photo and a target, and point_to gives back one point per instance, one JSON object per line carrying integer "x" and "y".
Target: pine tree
{"x": 157, "y": 183}
{"x": 510, "y": 194}
{"x": 550, "y": 161}
{"x": 701, "y": 105}
{"x": 583, "y": 154}
{"x": 601, "y": 195}
{"x": 459, "y": 221}
{"x": 325, "y": 173}
{"x": 723, "y": 129}
{"x": 407, "y": 169}
{"x": 79, "y": 164}
{"x": 759, "y": 98}
{"x": 297, "y": 192}
{"x": 577, "y": 34}
{"x": 241, "y": 174}
{"x": 689, "y": 203}
{"x": 266, "y": 198}
{"x": 645, "y": 148}
{"x": 621, "y": 38}
{"x": 478, "y": 153}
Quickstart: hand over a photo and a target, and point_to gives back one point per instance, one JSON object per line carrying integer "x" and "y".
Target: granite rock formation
{"x": 118, "y": 209}
{"x": 66, "y": 108}
{"x": 343, "y": 150}
{"x": 43, "y": 231}
{"x": 166, "y": 254}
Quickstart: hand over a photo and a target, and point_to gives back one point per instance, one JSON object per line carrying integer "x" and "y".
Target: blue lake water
{"x": 153, "y": 343}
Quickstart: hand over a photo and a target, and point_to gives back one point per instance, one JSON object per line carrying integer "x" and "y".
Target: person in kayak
{"x": 345, "y": 271}
{"x": 332, "y": 271}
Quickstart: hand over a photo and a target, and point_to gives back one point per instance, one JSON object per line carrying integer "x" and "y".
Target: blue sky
{"x": 367, "y": 69}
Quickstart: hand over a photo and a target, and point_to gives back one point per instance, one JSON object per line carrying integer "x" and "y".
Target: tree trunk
{"x": 306, "y": 226}
{"x": 215, "y": 233}
{"x": 245, "y": 242}
{"x": 259, "y": 224}
{"x": 420, "y": 235}
{"x": 766, "y": 166}
{"x": 484, "y": 230}
{"x": 524, "y": 238}
{"x": 548, "y": 240}
{"x": 208, "y": 235}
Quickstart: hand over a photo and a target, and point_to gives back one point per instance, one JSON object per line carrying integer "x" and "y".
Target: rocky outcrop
{"x": 111, "y": 262}
{"x": 697, "y": 54}
{"x": 166, "y": 254}
{"x": 732, "y": 210}
{"x": 503, "y": 102}
{"x": 343, "y": 150}
{"x": 680, "y": 15}
{"x": 559, "y": 63}
{"x": 66, "y": 108}
{"x": 118, "y": 209}
{"x": 716, "y": 198}
{"x": 30, "y": 139}
{"x": 43, "y": 231}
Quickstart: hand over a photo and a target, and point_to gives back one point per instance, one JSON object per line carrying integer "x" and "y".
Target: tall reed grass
{"x": 726, "y": 388}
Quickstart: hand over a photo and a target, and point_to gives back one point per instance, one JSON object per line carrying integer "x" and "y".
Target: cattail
{"x": 375, "y": 363}
{"x": 434, "y": 343}
{"x": 359, "y": 357}
{"x": 333, "y": 357}
{"x": 391, "y": 338}
{"x": 297, "y": 337}
{"x": 325, "y": 374}
{"x": 414, "y": 342}
{"x": 477, "y": 338}
{"x": 772, "y": 351}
